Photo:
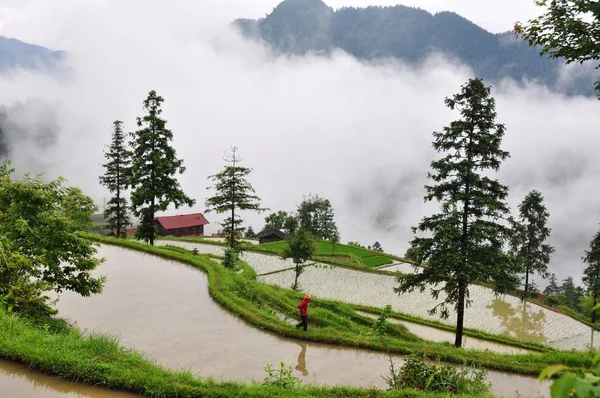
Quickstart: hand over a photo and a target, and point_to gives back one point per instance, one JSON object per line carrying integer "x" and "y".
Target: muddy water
{"x": 16, "y": 381}
{"x": 163, "y": 309}
{"x": 443, "y": 336}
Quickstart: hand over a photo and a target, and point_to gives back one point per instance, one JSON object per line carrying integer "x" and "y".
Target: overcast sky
{"x": 357, "y": 134}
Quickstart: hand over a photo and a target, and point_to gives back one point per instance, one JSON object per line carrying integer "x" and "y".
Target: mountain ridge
{"x": 409, "y": 34}
{"x": 16, "y": 54}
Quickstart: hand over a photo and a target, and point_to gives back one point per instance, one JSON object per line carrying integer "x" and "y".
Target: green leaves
{"x": 465, "y": 241}
{"x": 233, "y": 192}
{"x": 315, "y": 214}
{"x": 153, "y": 169}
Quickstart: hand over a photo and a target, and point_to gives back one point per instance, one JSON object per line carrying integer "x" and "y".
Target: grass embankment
{"x": 349, "y": 256}
{"x": 99, "y": 360}
{"x": 337, "y": 323}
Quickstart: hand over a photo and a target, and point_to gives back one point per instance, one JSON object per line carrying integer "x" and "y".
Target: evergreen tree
{"x": 591, "y": 275}
{"x": 570, "y": 291}
{"x": 315, "y": 215}
{"x": 465, "y": 241}
{"x": 552, "y": 288}
{"x": 115, "y": 179}
{"x": 529, "y": 234}
{"x": 233, "y": 192}
{"x": 250, "y": 232}
{"x": 153, "y": 169}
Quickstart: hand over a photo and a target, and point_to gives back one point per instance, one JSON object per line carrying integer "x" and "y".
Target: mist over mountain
{"x": 411, "y": 34}
{"x": 15, "y": 54}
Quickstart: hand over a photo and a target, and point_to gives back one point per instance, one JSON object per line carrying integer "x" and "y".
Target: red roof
{"x": 182, "y": 221}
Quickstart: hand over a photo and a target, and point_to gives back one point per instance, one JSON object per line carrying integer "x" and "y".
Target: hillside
{"x": 17, "y": 54}
{"x": 408, "y": 34}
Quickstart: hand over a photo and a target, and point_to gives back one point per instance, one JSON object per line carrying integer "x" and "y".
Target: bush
{"x": 231, "y": 258}
{"x": 418, "y": 374}
{"x": 281, "y": 378}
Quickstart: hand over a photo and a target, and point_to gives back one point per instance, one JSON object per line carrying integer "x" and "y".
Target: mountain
{"x": 408, "y": 34}
{"x": 16, "y": 54}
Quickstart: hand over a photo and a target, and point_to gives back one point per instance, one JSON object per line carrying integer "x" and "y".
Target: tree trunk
{"x": 152, "y": 222}
{"x": 526, "y": 282}
{"x": 594, "y": 311}
{"x": 460, "y": 315}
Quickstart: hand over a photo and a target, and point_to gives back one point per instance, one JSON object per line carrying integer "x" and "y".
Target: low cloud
{"x": 356, "y": 133}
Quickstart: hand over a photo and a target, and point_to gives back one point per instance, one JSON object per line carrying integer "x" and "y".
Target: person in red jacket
{"x": 303, "y": 306}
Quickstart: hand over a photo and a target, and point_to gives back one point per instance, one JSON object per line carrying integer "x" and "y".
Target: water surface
{"x": 163, "y": 308}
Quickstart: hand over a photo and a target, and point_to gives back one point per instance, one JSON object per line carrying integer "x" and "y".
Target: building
{"x": 181, "y": 225}
{"x": 270, "y": 235}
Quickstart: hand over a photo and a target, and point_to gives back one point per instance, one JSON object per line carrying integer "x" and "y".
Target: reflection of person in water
{"x": 302, "y": 360}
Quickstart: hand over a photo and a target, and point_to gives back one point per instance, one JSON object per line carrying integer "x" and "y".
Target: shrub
{"x": 282, "y": 377}
{"x": 231, "y": 258}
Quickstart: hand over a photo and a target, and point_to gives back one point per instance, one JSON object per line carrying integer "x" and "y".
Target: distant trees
{"x": 40, "y": 249}
{"x": 282, "y": 220}
{"x": 465, "y": 242}
{"x": 116, "y": 180}
{"x": 233, "y": 192}
{"x": 529, "y": 234}
{"x": 300, "y": 248}
{"x": 591, "y": 274}
{"x": 376, "y": 246}
{"x": 568, "y": 29}
{"x": 315, "y": 215}
{"x": 153, "y": 169}
{"x": 250, "y": 232}
{"x": 552, "y": 287}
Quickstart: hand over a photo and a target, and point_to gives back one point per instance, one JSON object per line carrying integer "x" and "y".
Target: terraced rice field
{"x": 504, "y": 315}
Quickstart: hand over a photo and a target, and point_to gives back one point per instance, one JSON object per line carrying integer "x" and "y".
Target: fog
{"x": 357, "y": 134}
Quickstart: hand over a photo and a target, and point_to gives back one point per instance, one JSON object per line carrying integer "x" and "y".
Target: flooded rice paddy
{"x": 163, "y": 309}
{"x": 17, "y": 381}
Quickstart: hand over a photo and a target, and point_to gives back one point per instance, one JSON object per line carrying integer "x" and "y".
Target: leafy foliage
{"x": 154, "y": 165}
{"x": 568, "y": 29}
{"x": 315, "y": 215}
{"x": 40, "y": 249}
{"x": 300, "y": 248}
{"x": 466, "y": 240}
{"x": 115, "y": 179}
{"x": 233, "y": 192}
{"x": 377, "y": 247}
{"x": 231, "y": 258}
{"x": 591, "y": 274}
{"x": 283, "y": 377}
{"x": 530, "y": 232}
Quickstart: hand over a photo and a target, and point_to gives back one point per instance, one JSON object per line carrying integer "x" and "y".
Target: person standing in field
{"x": 303, "y": 307}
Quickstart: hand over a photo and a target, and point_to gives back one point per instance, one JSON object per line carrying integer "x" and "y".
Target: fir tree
{"x": 250, "y": 232}
{"x": 465, "y": 240}
{"x": 233, "y": 192}
{"x": 570, "y": 291}
{"x": 591, "y": 274}
{"x": 552, "y": 288}
{"x": 115, "y": 179}
{"x": 530, "y": 233}
{"x": 153, "y": 169}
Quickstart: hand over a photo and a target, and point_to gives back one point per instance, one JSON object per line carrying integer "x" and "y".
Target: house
{"x": 181, "y": 225}
{"x": 270, "y": 235}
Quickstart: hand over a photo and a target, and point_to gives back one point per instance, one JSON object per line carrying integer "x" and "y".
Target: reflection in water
{"x": 522, "y": 323}
{"x": 302, "y": 360}
{"x": 144, "y": 293}
{"x": 18, "y": 381}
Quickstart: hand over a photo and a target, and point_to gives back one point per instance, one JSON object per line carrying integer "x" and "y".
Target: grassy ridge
{"x": 338, "y": 323}
{"x": 101, "y": 361}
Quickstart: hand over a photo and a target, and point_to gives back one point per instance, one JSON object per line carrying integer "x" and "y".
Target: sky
{"x": 357, "y": 134}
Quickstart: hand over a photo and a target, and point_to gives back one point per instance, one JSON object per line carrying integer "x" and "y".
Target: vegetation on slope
{"x": 335, "y": 322}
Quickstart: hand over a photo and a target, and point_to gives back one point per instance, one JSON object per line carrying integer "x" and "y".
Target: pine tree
{"x": 233, "y": 192}
{"x": 153, "y": 169}
{"x": 530, "y": 232}
{"x": 250, "y": 232}
{"x": 570, "y": 291}
{"x": 552, "y": 288}
{"x": 591, "y": 275}
{"x": 115, "y": 178}
{"x": 466, "y": 240}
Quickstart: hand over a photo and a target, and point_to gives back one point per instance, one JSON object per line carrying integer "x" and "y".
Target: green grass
{"x": 338, "y": 323}
{"x": 100, "y": 360}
